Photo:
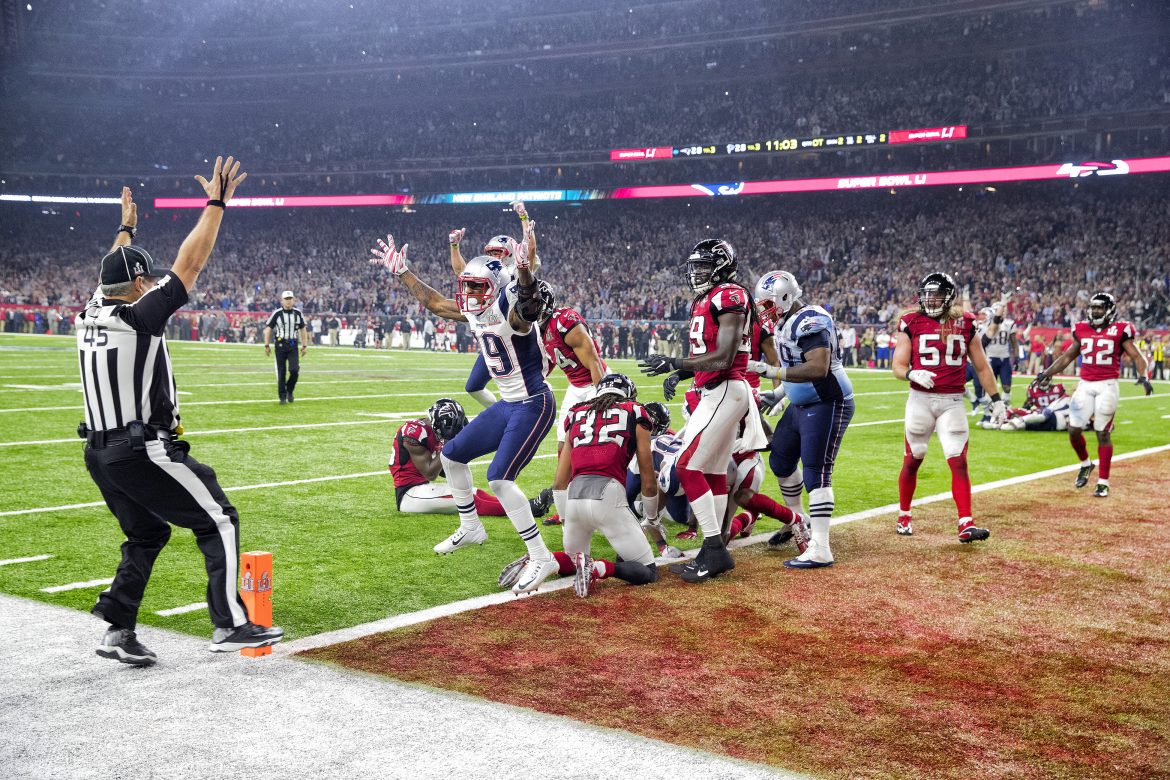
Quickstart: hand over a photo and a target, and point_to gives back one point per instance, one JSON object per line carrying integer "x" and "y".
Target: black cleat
{"x": 290, "y": 398}
{"x": 227, "y": 640}
{"x": 780, "y": 538}
{"x": 283, "y": 400}
{"x": 541, "y": 503}
{"x": 1102, "y": 491}
{"x": 1083, "y": 475}
{"x": 710, "y": 562}
{"x": 973, "y": 533}
{"x": 121, "y": 644}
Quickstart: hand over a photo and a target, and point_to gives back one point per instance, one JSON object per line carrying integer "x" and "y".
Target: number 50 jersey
{"x": 938, "y": 349}
{"x": 603, "y": 443}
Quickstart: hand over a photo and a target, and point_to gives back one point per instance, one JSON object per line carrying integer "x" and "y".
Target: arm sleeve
{"x": 528, "y": 303}
{"x": 149, "y": 314}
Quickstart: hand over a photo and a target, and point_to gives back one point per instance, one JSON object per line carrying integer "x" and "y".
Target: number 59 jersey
{"x": 938, "y": 349}
{"x": 516, "y": 361}
{"x": 604, "y": 442}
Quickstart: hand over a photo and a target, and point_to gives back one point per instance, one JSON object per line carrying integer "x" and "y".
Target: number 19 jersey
{"x": 516, "y": 361}
{"x": 938, "y": 349}
{"x": 603, "y": 443}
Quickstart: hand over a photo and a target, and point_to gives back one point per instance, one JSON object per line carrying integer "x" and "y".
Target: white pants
{"x": 1097, "y": 400}
{"x": 431, "y": 499}
{"x": 749, "y": 475}
{"x": 944, "y": 414}
{"x": 714, "y": 426}
{"x": 573, "y": 396}
{"x": 610, "y": 515}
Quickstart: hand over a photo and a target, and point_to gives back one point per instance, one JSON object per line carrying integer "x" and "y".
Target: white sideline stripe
{"x": 77, "y": 585}
{"x": 29, "y": 559}
{"x": 446, "y": 610}
{"x": 336, "y": 478}
{"x": 182, "y": 610}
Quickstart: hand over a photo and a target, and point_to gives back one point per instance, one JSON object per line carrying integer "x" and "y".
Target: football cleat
{"x": 1101, "y": 491}
{"x": 781, "y": 537}
{"x": 801, "y": 534}
{"x": 541, "y": 503}
{"x": 748, "y": 525}
{"x": 969, "y": 532}
{"x": 811, "y": 558}
{"x": 905, "y": 527}
{"x": 1083, "y": 475}
{"x": 710, "y": 562}
{"x": 511, "y": 572}
{"x": 121, "y": 644}
{"x": 583, "y": 575}
{"x": 227, "y": 640}
{"x": 461, "y": 538}
{"x": 690, "y": 533}
{"x": 554, "y": 520}
{"x": 534, "y": 573}
{"x": 669, "y": 551}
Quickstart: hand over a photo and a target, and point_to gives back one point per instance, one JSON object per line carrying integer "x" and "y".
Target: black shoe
{"x": 1102, "y": 491}
{"x": 541, "y": 503}
{"x": 1083, "y": 475}
{"x": 710, "y": 562}
{"x": 227, "y": 640}
{"x": 122, "y": 644}
{"x": 781, "y": 537}
{"x": 290, "y": 398}
{"x": 283, "y": 400}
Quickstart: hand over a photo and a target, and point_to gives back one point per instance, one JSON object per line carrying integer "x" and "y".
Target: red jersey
{"x": 943, "y": 354}
{"x": 759, "y": 333}
{"x": 1101, "y": 349}
{"x": 441, "y": 326}
{"x": 604, "y": 443}
{"x": 705, "y": 312}
{"x": 1042, "y": 399}
{"x": 401, "y": 466}
{"x": 559, "y": 324}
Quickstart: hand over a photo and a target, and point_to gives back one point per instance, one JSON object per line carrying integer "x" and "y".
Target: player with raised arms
{"x": 933, "y": 347}
{"x": 501, "y": 314}
{"x": 1100, "y": 341}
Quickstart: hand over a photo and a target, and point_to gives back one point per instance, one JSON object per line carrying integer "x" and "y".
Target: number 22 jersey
{"x": 1101, "y": 349}
{"x": 942, "y": 351}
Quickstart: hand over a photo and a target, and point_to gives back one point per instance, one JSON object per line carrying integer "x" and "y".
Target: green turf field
{"x": 342, "y": 554}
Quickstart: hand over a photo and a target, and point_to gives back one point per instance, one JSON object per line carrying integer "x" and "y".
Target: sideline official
{"x": 145, "y": 474}
{"x": 287, "y": 324}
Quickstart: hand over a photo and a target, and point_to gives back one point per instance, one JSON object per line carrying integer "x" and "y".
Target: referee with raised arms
{"x": 288, "y": 325}
{"x": 144, "y": 472}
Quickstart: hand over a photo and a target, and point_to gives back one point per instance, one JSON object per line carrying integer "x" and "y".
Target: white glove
{"x": 670, "y": 551}
{"x": 520, "y": 253}
{"x": 455, "y": 236}
{"x": 770, "y": 401}
{"x": 921, "y": 377}
{"x": 518, "y": 207}
{"x": 390, "y": 258}
{"x": 998, "y": 413}
{"x": 760, "y": 367}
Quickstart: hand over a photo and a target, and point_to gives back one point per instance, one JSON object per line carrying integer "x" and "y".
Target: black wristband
{"x": 214, "y": 202}
{"x": 127, "y": 229}
{"x": 997, "y": 319}
{"x": 994, "y": 398}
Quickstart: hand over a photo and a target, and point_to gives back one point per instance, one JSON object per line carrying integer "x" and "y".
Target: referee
{"x": 145, "y": 474}
{"x": 288, "y": 325}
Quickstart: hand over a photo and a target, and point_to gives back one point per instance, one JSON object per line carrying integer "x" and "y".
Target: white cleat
{"x": 812, "y": 558}
{"x": 535, "y": 572}
{"x": 461, "y": 538}
{"x": 511, "y": 573}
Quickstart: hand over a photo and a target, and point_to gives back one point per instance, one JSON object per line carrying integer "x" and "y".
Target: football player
{"x": 820, "y": 405}
{"x": 1100, "y": 341}
{"x": 997, "y": 332}
{"x": 605, "y": 433}
{"x": 572, "y": 347}
{"x": 1046, "y": 409}
{"x": 720, "y": 334}
{"x": 934, "y": 345}
{"x": 664, "y": 447}
{"x": 501, "y": 313}
{"x": 501, "y": 248}
{"x": 415, "y": 464}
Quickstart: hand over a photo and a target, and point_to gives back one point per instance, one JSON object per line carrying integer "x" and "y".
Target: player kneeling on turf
{"x": 415, "y": 462}
{"x": 603, "y": 434}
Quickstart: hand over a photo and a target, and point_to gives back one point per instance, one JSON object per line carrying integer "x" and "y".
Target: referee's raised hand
{"x": 225, "y": 177}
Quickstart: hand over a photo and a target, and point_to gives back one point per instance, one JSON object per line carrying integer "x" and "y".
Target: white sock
{"x": 515, "y": 503}
{"x": 561, "y": 501}
{"x": 720, "y": 508}
{"x": 791, "y": 487}
{"x": 820, "y": 509}
{"x": 463, "y": 489}
{"x": 710, "y": 523}
{"x": 485, "y": 397}
{"x": 1086, "y": 462}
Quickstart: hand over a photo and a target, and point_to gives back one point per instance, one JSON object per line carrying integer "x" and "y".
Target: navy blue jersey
{"x": 810, "y": 328}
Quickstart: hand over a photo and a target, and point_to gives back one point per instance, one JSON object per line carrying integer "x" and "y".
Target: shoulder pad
{"x": 809, "y": 322}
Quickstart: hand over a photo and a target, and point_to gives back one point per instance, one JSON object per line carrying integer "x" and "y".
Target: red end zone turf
{"x": 1042, "y": 653}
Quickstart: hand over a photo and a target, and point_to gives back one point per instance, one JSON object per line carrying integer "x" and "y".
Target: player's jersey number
{"x": 499, "y": 362}
{"x": 611, "y": 428}
{"x": 1097, "y": 352}
{"x": 931, "y": 351}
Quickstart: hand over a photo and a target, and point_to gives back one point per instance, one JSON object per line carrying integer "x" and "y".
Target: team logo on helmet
{"x": 447, "y": 418}
{"x": 711, "y": 262}
{"x": 936, "y": 293}
{"x": 618, "y": 384}
{"x": 659, "y": 415}
{"x": 1102, "y": 310}
{"x": 480, "y": 284}
{"x": 776, "y": 294}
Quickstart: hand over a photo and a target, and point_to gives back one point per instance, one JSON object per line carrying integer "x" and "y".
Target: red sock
{"x": 1105, "y": 455}
{"x": 717, "y": 483}
{"x": 762, "y": 505}
{"x": 1078, "y": 445}
{"x": 694, "y": 484}
{"x": 488, "y": 505}
{"x": 960, "y": 483}
{"x": 607, "y": 567}
{"x": 565, "y": 562}
{"x": 907, "y": 480}
{"x": 737, "y": 524}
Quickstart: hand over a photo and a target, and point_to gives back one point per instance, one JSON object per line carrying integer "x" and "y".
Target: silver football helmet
{"x": 479, "y": 285}
{"x": 776, "y": 294}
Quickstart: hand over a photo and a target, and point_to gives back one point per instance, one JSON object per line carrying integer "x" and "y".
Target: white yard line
{"x": 29, "y": 559}
{"x": 182, "y": 610}
{"x": 385, "y": 418}
{"x": 77, "y": 585}
{"x": 446, "y": 610}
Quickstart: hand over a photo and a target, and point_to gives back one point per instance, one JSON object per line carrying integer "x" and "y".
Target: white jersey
{"x": 1000, "y": 345}
{"x": 516, "y": 361}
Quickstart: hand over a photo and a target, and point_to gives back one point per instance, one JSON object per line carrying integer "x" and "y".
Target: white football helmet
{"x": 500, "y": 247}
{"x": 776, "y": 293}
{"x": 480, "y": 284}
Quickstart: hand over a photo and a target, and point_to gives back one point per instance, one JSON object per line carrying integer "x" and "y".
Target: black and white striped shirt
{"x": 125, "y": 367}
{"x": 286, "y": 324}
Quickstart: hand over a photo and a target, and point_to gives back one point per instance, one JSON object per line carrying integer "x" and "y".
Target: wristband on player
{"x": 215, "y": 202}
{"x": 994, "y": 398}
{"x": 130, "y": 229}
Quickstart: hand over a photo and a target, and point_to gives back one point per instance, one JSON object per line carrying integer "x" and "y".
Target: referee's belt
{"x": 286, "y": 341}
{"x": 101, "y": 439}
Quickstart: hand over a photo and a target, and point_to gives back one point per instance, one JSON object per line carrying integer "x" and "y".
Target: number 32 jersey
{"x": 940, "y": 351}
{"x": 1101, "y": 349}
{"x": 603, "y": 443}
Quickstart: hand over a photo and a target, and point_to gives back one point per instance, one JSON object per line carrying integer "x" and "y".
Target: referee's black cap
{"x": 127, "y": 263}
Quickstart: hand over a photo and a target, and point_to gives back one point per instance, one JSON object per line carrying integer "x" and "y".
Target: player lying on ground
{"x": 933, "y": 348}
{"x": 416, "y": 462}
{"x": 501, "y": 313}
{"x": 604, "y": 434}
{"x": 1100, "y": 341}
{"x": 1045, "y": 409}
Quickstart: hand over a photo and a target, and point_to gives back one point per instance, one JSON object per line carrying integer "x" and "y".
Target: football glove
{"x": 455, "y": 236}
{"x": 760, "y": 367}
{"x": 670, "y": 385}
{"x": 1145, "y": 383}
{"x": 998, "y": 413}
{"x": 390, "y": 258}
{"x": 520, "y": 254}
{"x": 656, "y": 365}
{"x": 770, "y": 401}
{"x": 1041, "y": 382}
{"x": 921, "y": 377}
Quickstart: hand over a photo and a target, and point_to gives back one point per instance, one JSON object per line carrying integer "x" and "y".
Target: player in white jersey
{"x": 501, "y": 314}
